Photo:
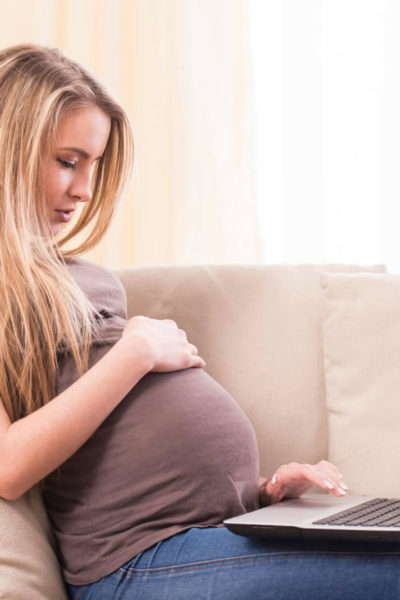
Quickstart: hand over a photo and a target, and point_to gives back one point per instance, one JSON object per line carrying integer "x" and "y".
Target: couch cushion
{"x": 362, "y": 368}
{"x": 28, "y": 564}
{"x": 259, "y": 329}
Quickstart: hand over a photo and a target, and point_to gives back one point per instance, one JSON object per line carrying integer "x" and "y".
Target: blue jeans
{"x": 215, "y": 564}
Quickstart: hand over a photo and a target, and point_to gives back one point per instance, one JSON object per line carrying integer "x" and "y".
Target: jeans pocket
{"x": 130, "y": 564}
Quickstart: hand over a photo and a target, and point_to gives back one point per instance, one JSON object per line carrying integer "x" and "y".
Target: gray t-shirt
{"x": 177, "y": 452}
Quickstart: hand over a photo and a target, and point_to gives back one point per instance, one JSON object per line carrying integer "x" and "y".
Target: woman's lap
{"x": 215, "y": 564}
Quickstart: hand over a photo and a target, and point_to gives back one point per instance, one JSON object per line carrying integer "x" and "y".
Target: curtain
{"x": 326, "y": 93}
{"x": 181, "y": 70}
{"x": 265, "y": 130}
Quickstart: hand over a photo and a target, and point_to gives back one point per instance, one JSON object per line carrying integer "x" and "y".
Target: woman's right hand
{"x": 167, "y": 345}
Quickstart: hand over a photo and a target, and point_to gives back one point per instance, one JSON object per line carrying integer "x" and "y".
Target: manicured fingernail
{"x": 344, "y": 486}
{"x": 343, "y": 492}
{"x": 329, "y": 484}
{"x": 273, "y": 480}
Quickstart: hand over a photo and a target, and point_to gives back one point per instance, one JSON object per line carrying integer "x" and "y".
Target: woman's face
{"x": 81, "y": 140}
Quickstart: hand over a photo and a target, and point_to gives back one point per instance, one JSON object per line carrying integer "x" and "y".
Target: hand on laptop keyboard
{"x": 294, "y": 479}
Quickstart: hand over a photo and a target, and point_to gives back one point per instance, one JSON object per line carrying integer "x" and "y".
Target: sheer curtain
{"x": 325, "y": 79}
{"x": 265, "y": 130}
{"x": 181, "y": 69}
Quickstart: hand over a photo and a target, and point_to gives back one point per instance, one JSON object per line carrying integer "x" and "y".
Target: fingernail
{"x": 273, "y": 480}
{"x": 344, "y": 486}
{"x": 329, "y": 484}
{"x": 343, "y": 492}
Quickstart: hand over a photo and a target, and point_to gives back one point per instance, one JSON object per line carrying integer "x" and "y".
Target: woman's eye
{"x": 65, "y": 163}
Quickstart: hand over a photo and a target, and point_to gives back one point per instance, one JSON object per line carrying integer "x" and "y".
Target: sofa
{"x": 310, "y": 352}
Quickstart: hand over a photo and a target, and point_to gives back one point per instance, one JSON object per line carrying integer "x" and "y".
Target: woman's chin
{"x": 56, "y": 228}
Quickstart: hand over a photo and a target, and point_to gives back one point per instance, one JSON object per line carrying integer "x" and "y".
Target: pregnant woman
{"x": 139, "y": 453}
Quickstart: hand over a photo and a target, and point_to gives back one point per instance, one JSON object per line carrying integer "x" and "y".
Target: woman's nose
{"x": 82, "y": 188}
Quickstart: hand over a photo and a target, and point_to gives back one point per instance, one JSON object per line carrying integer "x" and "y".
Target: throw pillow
{"x": 28, "y": 563}
{"x": 361, "y": 344}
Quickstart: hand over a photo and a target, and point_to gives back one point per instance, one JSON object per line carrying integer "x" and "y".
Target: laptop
{"x": 324, "y": 516}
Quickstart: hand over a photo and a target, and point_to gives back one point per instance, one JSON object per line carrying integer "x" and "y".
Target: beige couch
{"x": 310, "y": 352}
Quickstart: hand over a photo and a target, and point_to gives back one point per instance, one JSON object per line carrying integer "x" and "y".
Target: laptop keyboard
{"x": 379, "y": 512}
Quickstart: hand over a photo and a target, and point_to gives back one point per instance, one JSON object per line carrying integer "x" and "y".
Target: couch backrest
{"x": 259, "y": 328}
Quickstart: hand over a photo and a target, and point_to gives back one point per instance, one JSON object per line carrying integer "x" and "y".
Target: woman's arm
{"x": 35, "y": 445}
{"x": 293, "y": 479}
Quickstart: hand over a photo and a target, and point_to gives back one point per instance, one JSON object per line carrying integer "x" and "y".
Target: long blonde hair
{"x": 41, "y": 305}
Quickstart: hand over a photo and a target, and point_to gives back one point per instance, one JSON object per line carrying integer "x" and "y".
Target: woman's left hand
{"x": 293, "y": 479}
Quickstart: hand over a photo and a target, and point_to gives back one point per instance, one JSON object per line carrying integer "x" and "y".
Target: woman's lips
{"x": 65, "y": 216}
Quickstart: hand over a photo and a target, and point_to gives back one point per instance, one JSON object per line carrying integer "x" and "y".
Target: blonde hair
{"x": 42, "y": 307}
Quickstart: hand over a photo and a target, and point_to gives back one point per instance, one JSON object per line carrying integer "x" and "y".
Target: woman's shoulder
{"x": 77, "y": 264}
{"x": 99, "y": 283}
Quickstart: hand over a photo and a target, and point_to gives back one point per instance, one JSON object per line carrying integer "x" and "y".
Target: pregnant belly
{"x": 185, "y": 422}
{"x": 178, "y": 433}
{"x": 178, "y": 449}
